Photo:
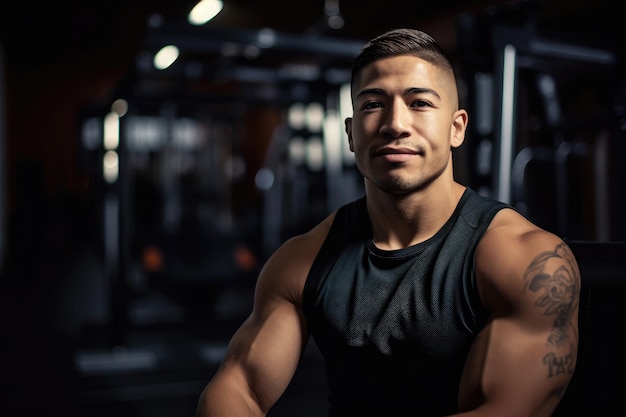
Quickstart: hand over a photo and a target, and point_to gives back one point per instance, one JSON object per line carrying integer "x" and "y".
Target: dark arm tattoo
{"x": 558, "y": 365}
{"x": 554, "y": 276}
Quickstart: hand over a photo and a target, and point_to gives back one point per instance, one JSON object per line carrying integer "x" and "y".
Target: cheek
{"x": 358, "y": 135}
{"x": 368, "y": 122}
{"x": 439, "y": 134}
{"x": 360, "y": 155}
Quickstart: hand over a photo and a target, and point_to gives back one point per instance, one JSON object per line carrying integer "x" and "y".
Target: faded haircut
{"x": 401, "y": 42}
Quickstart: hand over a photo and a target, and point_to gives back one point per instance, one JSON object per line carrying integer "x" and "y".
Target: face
{"x": 406, "y": 122}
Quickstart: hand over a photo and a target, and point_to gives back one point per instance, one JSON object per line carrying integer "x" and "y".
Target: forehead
{"x": 398, "y": 67}
{"x": 402, "y": 71}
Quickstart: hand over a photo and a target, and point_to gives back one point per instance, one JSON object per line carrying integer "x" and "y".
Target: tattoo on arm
{"x": 558, "y": 365}
{"x": 554, "y": 276}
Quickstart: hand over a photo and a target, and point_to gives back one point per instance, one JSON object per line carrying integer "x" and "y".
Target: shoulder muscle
{"x": 516, "y": 255}
{"x": 286, "y": 271}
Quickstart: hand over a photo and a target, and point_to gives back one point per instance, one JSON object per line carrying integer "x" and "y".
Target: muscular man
{"x": 424, "y": 298}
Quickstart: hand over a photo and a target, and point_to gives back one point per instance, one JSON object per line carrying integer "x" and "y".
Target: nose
{"x": 396, "y": 121}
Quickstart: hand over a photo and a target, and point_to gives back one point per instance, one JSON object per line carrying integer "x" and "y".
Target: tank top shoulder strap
{"x": 479, "y": 210}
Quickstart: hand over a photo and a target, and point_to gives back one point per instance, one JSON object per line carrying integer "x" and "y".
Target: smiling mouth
{"x": 395, "y": 155}
{"x": 390, "y": 152}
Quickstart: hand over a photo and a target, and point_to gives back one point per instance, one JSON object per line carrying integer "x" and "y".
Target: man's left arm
{"x": 522, "y": 362}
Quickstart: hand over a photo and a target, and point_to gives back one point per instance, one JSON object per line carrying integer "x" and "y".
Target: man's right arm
{"x": 263, "y": 355}
{"x": 259, "y": 363}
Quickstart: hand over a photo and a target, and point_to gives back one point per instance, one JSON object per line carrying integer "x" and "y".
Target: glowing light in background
{"x": 111, "y": 140}
{"x": 333, "y": 14}
{"x": 120, "y": 107}
{"x": 266, "y": 38}
{"x": 166, "y": 57}
{"x": 111, "y": 131}
{"x": 204, "y": 11}
{"x": 314, "y": 117}
{"x": 296, "y": 116}
{"x": 110, "y": 166}
{"x": 335, "y": 22}
{"x": 264, "y": 179}
{"x": 332, "y": 139}
{"x": 315, "y": 153}
{"x": 297, "y": 150}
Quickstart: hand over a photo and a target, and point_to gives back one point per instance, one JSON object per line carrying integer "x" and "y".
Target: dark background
{"x": 141, "y": 331}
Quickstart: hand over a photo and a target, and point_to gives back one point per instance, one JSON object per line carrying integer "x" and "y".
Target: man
{"x": 424, "y": 298}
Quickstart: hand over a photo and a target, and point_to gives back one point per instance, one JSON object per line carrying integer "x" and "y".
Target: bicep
{"x": 525, "y": 357}
{"x": 264, "y": 352}
{"x": 513, "y": 371}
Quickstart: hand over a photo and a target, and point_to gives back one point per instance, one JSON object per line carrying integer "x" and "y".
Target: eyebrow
{"x": 410, "y": 90}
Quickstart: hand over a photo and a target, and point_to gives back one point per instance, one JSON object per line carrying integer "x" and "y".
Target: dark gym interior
{"x": 138, "y": 204}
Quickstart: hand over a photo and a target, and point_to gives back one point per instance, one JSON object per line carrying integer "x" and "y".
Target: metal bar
{"x": 601, "y": 186}
{"x": 507, "y": 122}
{"x": 3, "y": 165}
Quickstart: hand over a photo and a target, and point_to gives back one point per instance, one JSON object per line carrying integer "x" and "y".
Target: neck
{"x": 399, "y": 221}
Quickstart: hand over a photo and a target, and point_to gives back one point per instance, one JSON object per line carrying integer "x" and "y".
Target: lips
{"x": 395, "y": 154}
{"x": 387, "y": 150}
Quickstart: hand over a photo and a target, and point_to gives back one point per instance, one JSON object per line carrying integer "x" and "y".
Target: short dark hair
{"x": 401, "y": 42}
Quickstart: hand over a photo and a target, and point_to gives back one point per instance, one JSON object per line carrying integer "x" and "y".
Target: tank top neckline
{"x": 417, "y": 248}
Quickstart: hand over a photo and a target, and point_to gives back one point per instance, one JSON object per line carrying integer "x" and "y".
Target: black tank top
{"x": 395, "y": 326}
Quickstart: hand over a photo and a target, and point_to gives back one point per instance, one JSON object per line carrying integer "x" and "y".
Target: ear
{"x": 349, "y": 132}
{"x": 458, "y": 127}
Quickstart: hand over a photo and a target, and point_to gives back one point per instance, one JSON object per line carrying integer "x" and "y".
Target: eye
{"x": 371, "y": 105}
{"x": 420, "y": 103}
